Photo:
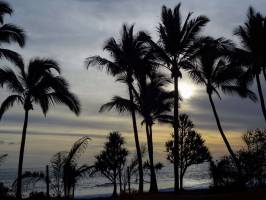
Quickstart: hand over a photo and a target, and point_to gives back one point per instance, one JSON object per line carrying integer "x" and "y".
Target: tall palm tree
{"x": 127, "y": 58}
{"x": 213, "y": 69}
{"x": 176, "y": 44}
{"x": 10, "y": 33}
{"x": 151, "y": 101}
{"x": 252, "y": 36}
{"x": 40, "y": 85}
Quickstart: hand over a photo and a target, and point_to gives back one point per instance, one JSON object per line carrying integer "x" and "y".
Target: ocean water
{"x": 40, "y": 148}
{"x": 197, "y": 177}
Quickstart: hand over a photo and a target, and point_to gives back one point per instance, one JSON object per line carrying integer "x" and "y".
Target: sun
{"x": 186, "y": 90}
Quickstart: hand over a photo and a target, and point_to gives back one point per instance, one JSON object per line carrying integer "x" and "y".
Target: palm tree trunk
{"x": 47, "y": 180}
{"x": 136, "y": 137}
{"x": 176, "y": 136}
{"x": 181, "y": 158}
{"x": 120, "y": 179}
{"x": 153, "y": 181}
{"x": 235, "y": 159}
{"x": 128, "y": 180}
{"x": 261, "y": 96}
{"x": 21, "y": 155}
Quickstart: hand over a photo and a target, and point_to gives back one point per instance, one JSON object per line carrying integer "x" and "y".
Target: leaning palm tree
{"x": 151, "y": 101}
{"x": 129, "y": 59}
{"x": 10, "y": 33}
{"x": 40, "y": 85}
{"x": 213, "y": 69}
{"x": 252, "y": 54}
{"x": 176, "y": 44}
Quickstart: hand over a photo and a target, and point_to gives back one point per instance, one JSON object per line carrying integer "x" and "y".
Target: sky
{"x": 69, "y": 31}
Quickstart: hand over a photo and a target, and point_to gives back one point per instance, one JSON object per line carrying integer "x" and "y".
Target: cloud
{"x": 70, "y": 32}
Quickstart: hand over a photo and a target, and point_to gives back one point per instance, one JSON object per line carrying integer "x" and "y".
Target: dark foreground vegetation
{"x": 146, "y": 68}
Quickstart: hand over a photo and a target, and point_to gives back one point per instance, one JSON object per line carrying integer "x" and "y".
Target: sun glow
{"x": 186, "y": 90}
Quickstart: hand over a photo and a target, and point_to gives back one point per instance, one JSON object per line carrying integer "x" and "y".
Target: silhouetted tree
{"x": 192, "y": 148}
{"x": 151, "y": 101}
{"x": 127, "y": 61}
{"x": 57, "y": 170}
{"x": 36, "y": 85}
{"x": 252, "y": 35}
{"x": 212, "y": 69}
{"x": 71, "y": 171}
{"x": 176, "y": 45}
{"x": 252, "y": 160}
{"x": 109, "y": 161}
{"x": 10, "y": 33}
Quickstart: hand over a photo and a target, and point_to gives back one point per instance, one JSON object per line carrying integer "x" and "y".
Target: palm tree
{"x": 71, "y": 172}
{"x": 151, "y": 101}
{"x": 212, "y": 69}
{"x": 127, "y": 61}
{"x": 176, "y": 45}
{"x": 37, "y": 85}
{"x": 10, "y": 33}
{"x": 252, "y": 36}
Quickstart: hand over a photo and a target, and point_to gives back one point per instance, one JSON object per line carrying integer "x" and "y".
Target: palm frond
{"x": 8, "y": 102}
{"x": 77, "y": 149}
{"x": 242, "y": 92}
{"x": 12, "y": 33}
{"x": 119, "y": 103}
{"x": 4, "y": 9}
{"x": 12, "y": 57}
{"x": 65, "y": 98}
{"x": 9, "y": 78}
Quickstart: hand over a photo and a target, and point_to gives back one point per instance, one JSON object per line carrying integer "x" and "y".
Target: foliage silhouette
{"x": 10, "y": 33}
{"x": 192, "y": 148}
{"x": 212, "y": 68}
{"x": 71, "y": 171}
{"x": 110, "y": 160}
{"x": 251, "y": 56}
{"x": 130, "y": 58}
{"x": 40, "y": 85}
{"x": 176, "y": 45}
{"x": 151, "y": 101}
{"x": 252, "y": 160}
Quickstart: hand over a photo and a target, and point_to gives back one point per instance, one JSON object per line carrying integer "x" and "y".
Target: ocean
{"x": 40, "y": 148}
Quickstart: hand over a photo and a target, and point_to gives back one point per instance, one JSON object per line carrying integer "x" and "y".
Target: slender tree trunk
{"x": 176, "y": 135}
{"x": 153, "y": 181}
{"x": 47, "y": 180}
{"x": 21, "y": 155}
{"x": 120, "y": 180}
{"x": 136, "y": 137}
{"x": 261, "y": 96}
{"x": 235, "y": 159}
{"x": 128, "y": 180}
{"x": 115, "y": 188}
{"x": 73, "y": 191}
{"x": 181, "y": 180}
{"x": 181, "y": 157}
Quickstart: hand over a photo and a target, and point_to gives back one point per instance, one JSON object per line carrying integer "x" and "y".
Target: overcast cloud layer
{"x": 71, "y": 30}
